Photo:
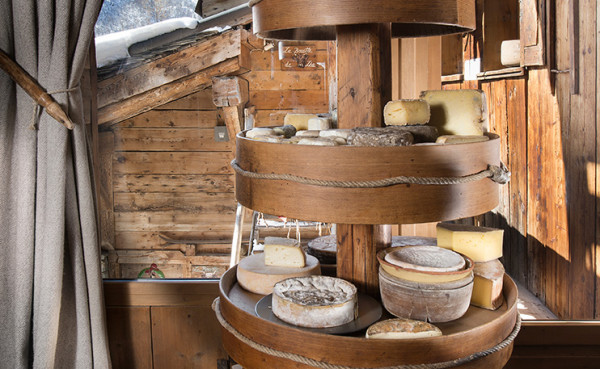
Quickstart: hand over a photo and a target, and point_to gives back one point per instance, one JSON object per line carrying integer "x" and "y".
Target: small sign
{"x": 297, "y": 57}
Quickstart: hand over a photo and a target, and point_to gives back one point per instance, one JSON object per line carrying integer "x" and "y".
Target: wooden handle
{"x": 33, "y": 89}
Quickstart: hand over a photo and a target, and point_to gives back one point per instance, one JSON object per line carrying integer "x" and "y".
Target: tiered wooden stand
{"x": 363, "y": 30}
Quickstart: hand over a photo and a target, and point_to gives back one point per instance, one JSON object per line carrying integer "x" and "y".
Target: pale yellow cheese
{"x": 459, "y": 139}
{"x": 260, "y": 131}
{"x": 300, "y": 121}
{"x": 406, "y": 112}
{"x": 457, "y": 112}
{"x": 401, "y": 328}
{"x": 479, "y": 243}
{"x": 284, "y": 252}
{"x": 487, "y": 285}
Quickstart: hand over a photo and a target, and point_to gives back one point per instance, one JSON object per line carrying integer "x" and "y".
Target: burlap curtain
{"x": 51, "y": 304}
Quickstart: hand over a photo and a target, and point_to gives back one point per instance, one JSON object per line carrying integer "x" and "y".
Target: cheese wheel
{"x": 254, "y": 276}
{"x": 318, "y": 141}
{"x": 426, "y": 259}
{"x": 324, "y": 248}
{"x": 402, "y": 329}
{"x": 341, "y": 132}
{"x": 315, "y": 301}
{"x": 459, "y": 139}
{"x": 260, "y": 131}
{"x": 308, "y": 133}
{"x": 487, "y": 285}
{"x": 319, "y": 123}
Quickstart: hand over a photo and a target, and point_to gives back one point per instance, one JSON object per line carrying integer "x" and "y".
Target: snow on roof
{"x": 114, "y": 46}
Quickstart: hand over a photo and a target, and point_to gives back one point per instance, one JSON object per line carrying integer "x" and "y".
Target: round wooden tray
{"x": 398, "y": 204}
{"x": 477, "y": 330}
{"x": 317, "y": 20}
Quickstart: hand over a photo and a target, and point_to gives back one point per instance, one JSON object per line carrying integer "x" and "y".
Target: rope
{"x": 498, "y": 174}
{"x": 319, "y": 364}
{"x": 36, "y": 106}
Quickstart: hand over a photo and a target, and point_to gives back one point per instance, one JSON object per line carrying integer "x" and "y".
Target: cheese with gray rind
{"x": 315, "y": 301}
{"x": 254, "y": 276}
{"x": 420, "y": 133}
{"x": 376, "y": 136}
{"x": 397, "y": 329}
{"x": 461, "y": 139}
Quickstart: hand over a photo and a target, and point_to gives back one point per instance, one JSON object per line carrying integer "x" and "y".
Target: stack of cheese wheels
{"x": 282, "y": 258}
{"x": 315, "y": 301}
{"x": 484, "y": 246}
{"x": 426, "y": 283}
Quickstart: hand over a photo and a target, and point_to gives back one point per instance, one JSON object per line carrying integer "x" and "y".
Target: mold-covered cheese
{"x": 315, "y": 301}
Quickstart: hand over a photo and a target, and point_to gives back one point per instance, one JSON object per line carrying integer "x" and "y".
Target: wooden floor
{"x": 530, "y": 307}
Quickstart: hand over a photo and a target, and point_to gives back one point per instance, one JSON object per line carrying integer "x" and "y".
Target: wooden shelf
{"x": 477, "y": 330}
{"x": 398, "y": 204}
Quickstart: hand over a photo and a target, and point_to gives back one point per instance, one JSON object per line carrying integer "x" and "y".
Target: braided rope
{"x": 325, "y": 365}
{"x": 497, "y": 174}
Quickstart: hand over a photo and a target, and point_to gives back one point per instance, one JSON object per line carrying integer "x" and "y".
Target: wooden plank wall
{"x": 165, "y": 177}
{"x": 549, "y": 142}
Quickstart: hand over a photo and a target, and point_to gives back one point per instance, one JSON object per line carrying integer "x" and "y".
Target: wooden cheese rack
{"x": 363, "y": 30}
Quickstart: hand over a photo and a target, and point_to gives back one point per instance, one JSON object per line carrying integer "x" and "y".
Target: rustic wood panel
{"x": 275, "y": 117}
{"x": 163, "y": 163}
{"x": 287, "y": 80}
{"x": 160, "y": 293}
{"x": 129, "y": 337}
{"x": 105, "y": 191}
{"x": 196, "y": 343}
{"x": 173, "y": 183}
{"x": 269, "y": 60}
{"x": 133, "y": 240}
{"x": 501, "y": 22}
{"x": 172, "y": 119}
{"x": 172, "y": 221}
{"x": 212, "y": 7}
{"x": 452, "y": 61}
{"x": 211, "y": 202}
{"x": 176, "y": 139}
{"x": 201, "y": 100}
{"x": 290, "y": 99}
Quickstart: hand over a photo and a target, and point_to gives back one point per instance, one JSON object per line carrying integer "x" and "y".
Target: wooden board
{"x": 171, "y": 139}
{"x": 477, "y": 330}
{"x": 171, "y": 119}
{"x": 290, "y": 99}
{"x": 129, "y": 337}
{"x": 162, "y": 163}
{"x": 181, "y": 183}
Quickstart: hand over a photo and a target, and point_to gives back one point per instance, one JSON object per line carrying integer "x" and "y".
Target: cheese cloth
{"x": 51, "y": 303}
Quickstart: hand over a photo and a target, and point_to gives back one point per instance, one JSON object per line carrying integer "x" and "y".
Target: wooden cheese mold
{"x": 397, "y": 204}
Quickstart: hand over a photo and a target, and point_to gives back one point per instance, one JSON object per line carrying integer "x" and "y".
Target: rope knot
{"x": 500, "y": 174}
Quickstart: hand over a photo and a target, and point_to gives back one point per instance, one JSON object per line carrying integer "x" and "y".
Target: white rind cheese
{"x": 284, "y": 252}
{"x": 340, "y": 132}
{"x": 318, "y": 141}
{"x": 319, "y": 123}
{"x": 406, "y": 112}
{"x": 260, "y": 131}
{"x": 315, "y": 301}
{"x": 397, "y": 329}
{"x": 487, "y": 285}
{"x": 457, "y": 112}
{"x": 460, "y": 139}
{"x": 479, "y": 243}
{"x": 300, "y": 121}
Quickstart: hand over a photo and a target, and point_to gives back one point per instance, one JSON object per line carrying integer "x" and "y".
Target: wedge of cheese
{"x": 300, "y": 121}
{"x": 487, "y": 285}
{"x": 457, "y": 112}
{"x": 406, "y": 112}
{"x": 284, "y": 252}
{"x": 479, "y": 243}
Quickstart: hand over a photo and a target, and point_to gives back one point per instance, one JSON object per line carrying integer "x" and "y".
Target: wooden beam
{"x": 163, "y": 94}
{"x": 229, "y": 91}
{"x": 364, "y": 85}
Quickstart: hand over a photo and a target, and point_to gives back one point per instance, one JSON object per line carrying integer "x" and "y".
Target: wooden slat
{"x": 129, "y": 337}
{"x": 500, "y": 23}
{"x": 201, "y": 100}
{"x": 132, "y": 240}
{"x": 269, "y": 60}
{"x": 196, "y": 343}
{"x": 173, "y": 183}
{"x": 166, "y": 139}
{"x": 287, "y": 80}
{"x": 517, "y": 164}
{"x": 452, "y": 61}
{"x": 105, "y": 191}
{"x": 160, "y": 293}
{"x": 200, "y": 202}
{"x": 164, "y": 163}
{"x": 212, "y": 7}
{"x": 172, "y": 119}
{"x": 168, "y": 257}
{"x": 290, "y": 99}
{"x": 172, "y": 221}
{"x": 170, "y": 68}
{"x": 165, "y": 93}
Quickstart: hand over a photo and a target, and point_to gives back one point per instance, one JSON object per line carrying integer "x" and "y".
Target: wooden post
{"x": 364, "y": 86}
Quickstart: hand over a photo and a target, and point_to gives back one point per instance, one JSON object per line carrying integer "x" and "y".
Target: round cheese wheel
{"x": 254, "y": 276}
{"x": 315, "y": 301}
{"x": 426, "y": 258}
{"x": 324, "y": 248}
